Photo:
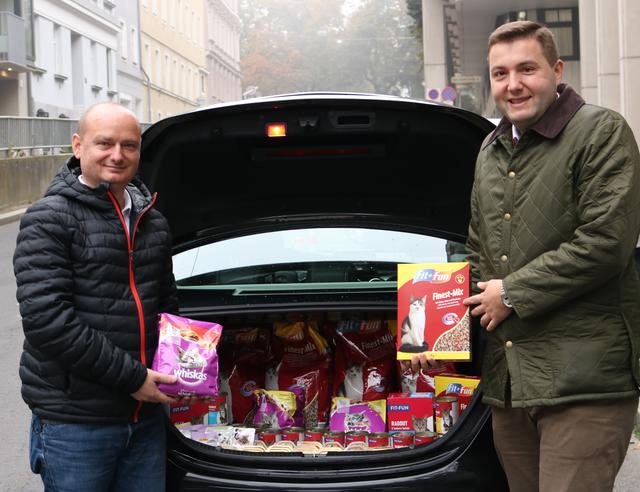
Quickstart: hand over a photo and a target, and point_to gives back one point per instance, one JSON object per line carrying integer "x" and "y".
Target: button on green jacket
{"x": 557, "y": 218}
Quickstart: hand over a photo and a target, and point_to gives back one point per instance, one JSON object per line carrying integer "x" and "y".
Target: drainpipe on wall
{"x": 146, "y": 77}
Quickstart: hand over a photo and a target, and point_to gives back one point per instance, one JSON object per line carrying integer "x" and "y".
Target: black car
{"x": 303, "y": 205}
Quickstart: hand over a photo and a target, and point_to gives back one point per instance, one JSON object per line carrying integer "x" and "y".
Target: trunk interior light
{"x": 276, "y": 130}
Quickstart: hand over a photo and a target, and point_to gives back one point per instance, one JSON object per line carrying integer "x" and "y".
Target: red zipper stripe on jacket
{"x": 132, "y": 282}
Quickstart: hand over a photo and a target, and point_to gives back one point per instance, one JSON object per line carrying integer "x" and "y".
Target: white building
{"x": 223, "y": 51}
{"x": 16, "y": 53}
{"x": 76, "y": 43}
{"x": 130, "y": 76}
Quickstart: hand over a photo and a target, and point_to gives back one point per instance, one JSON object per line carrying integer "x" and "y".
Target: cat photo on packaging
{"x": 431, "y": 317}
{"x": 413, "y": 327}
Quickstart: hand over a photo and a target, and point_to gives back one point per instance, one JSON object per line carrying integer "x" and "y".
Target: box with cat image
{"x": 431, "y": 316}
{"x": 410, "y": 412}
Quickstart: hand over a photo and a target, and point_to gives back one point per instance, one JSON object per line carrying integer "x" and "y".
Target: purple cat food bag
{"x": 275, "y": 408}
{"x": 187, "y": 349}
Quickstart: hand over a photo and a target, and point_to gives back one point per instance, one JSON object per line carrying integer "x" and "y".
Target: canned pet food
{"x": 447, "y": 411}
{"x": 295, "y": 434}
{"x": 334, "y": 437}
{"x": 314, "y": 434}
{"x": 425, "y": 437}
{"x": 378, "y": 440}
{"x": 269, "y": 436}
{"x": 402, "y": 439}
{"x": 355, "y": 436}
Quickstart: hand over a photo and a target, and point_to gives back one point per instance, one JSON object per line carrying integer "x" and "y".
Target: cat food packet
{"x": 422, "y": 381}
{"x": 352, "y": 416}
{"x": 431, "y": 316}
{"x": 275, "y": 409}
{"x": 187, "y": 349}
{"x": 365, "y": 356}
{"x": 243, "y": 355}
{"x": 305, "y": 362}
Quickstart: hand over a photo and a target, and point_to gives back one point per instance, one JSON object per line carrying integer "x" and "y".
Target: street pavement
{"x": 15, "y": 475}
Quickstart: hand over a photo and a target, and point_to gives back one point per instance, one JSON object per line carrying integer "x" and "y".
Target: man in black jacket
{"x": 93, "y": 270}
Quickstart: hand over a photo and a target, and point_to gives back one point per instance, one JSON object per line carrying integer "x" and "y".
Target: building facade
{"x": 173, "y": 56}
{"x": 595, "y": 39}
{"x": 16, "y": 53}
{"x": 129, "y": 76}
{"x": 223, "y": 51}
{"x": 75, "y": 63}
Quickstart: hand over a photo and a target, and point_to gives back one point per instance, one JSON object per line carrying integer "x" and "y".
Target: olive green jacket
{"x": 557, "y": 218}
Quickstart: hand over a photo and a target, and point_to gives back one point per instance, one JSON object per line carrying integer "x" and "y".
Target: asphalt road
{"x": 15, "y": 475}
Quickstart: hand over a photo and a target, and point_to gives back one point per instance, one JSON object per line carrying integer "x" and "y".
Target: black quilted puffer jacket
{"x": 89, "y": 297}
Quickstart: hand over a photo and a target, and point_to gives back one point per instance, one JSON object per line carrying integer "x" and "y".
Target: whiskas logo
{"x": 432, "y": 276}
{"x": 183, "y": 374}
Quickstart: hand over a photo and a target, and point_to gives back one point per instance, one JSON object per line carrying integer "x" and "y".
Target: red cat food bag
{"x": 431, "y": 316}
{"x": 187, "y": 349}
{"x": 305, "y": 362}
{"x": 243, "y": 356}
{"x": 365, "y": 355}
{"x": 422, "y": 381}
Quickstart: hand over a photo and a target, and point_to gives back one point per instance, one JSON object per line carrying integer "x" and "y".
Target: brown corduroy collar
{"x": 553, "y": 120}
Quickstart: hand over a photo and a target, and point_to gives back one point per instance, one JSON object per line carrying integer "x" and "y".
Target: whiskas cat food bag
{"x": 243, "y": 353}
{"x": 305, "y": 362}
{"x": 187, "y": 349}
{"x": 365, "y": 355}
{"x": 352, "y": 416}
{"x": 275, "y": 409}
{"x": 431, "y": 316}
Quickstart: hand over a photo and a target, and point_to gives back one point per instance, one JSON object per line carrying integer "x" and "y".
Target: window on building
{"x": 154, "y": 7}
{"x": 111, "y": 70}
{"x": 122, "y": 40}
{"x": 145, "y": 4}
{"x": 163, "y": 9}
{"x": 186, "y": 26}
{"x": 158, "y": 68}
{"x": 167, "y": 74}
{"x": 57, "y": 50}
{"x": 147, "y": 58}
{"x": 563, "y": 23}
{"x": 134, "y": 45}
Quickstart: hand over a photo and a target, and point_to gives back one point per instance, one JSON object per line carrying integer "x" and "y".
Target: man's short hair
{"x": 511, "y": 31}
{"x": 82, "y": 122}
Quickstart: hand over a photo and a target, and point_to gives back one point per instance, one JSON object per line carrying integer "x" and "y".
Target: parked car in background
{"x": 302, "y": 206}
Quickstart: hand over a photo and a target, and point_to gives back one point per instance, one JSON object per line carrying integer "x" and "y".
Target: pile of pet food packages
{"x": 302, "y": 387}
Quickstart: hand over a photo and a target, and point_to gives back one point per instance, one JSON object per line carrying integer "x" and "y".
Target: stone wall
{"x": 24, "y": 180}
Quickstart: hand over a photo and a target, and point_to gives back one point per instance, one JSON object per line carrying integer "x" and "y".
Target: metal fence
{"x": 37, "y": 136}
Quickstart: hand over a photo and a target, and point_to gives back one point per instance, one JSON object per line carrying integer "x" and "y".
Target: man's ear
{"x": 75, "y": 145}
{"x": 558, "y": 69}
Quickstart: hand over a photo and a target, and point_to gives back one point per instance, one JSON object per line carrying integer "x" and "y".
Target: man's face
{"x": 109, "y": 147}
{"x": 523, "y": 83}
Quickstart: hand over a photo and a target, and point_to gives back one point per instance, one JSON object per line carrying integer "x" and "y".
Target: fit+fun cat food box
{"x": 458, "y": 385}
{"x": 431, "y": 316}
{"x": 410, "y": 412}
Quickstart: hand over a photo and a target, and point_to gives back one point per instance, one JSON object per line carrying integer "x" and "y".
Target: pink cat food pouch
{"x": 275, "y": 409}
{"x": 187, "y": 349}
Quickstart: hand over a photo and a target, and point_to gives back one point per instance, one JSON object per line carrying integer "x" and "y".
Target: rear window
{"x": 321, "y": 257}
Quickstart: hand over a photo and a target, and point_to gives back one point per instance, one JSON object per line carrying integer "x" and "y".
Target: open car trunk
{"x": 308, "y": 228}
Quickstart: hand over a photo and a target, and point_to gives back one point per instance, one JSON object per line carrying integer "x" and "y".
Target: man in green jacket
{"x": 555, "y": 219}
